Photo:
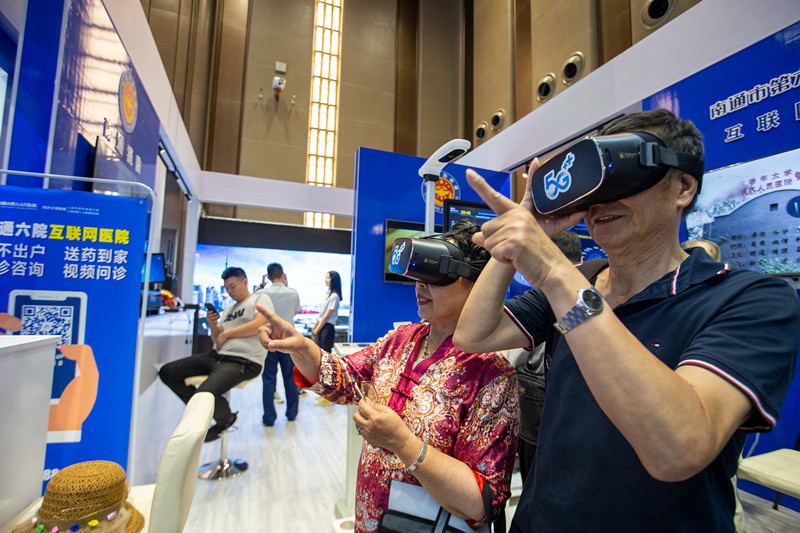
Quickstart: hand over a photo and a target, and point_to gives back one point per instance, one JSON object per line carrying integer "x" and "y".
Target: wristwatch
{"x": 590, "y": 302}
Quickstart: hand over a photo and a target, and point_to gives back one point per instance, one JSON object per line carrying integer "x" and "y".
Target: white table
{"x": 26, "y": 379}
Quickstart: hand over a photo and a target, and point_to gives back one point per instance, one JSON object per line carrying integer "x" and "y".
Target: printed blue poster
{"x": 748, "y": 105}
{"x": 70, "y": 265}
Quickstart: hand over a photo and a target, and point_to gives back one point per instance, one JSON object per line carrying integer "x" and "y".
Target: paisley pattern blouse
{"x": 464, "y": 405}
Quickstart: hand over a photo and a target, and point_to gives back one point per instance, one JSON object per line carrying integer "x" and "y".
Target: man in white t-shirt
{"x": 237, "y": 355}
{"x": 287, "y": 304}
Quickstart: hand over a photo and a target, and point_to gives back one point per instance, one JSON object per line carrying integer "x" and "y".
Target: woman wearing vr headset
{"x": 439, "y": 417}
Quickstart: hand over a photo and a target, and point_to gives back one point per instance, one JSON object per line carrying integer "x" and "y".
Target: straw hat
{"x": 86, "y": 497}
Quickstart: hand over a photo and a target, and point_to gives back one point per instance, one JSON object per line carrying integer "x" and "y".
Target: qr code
{"x": 48, "y": 320}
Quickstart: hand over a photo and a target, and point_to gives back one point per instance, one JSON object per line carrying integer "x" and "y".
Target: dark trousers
{"x": 269, "y": 378}
{"x": 325, "y": 337}
{"x": 526, "y": 452}
{"x": 224, "y": 373}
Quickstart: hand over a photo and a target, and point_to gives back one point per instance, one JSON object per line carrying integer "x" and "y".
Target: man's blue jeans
{"x": 269, "y": 378}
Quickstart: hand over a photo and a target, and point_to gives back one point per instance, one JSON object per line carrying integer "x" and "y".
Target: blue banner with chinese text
{"x": 70, "y": 265}
{"x": 747, "y": 105}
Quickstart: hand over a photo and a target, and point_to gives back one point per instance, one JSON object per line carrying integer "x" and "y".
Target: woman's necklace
{"x": 425, "y": 347}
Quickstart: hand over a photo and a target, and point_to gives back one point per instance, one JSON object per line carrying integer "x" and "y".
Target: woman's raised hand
{"x": 278, "y": 335}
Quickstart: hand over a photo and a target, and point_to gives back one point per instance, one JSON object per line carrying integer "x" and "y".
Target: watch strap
{"x": 574, "y": 316}
{"x": 580, "y": 311}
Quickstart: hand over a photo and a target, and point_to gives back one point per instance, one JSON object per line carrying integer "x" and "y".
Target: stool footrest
{"x": 223, "y": 469}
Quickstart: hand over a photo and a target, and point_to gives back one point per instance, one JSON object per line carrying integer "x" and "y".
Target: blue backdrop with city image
{"x": 305, "y": 272}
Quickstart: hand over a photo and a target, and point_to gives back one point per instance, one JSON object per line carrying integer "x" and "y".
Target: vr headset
{"x": 606, "y": 168}
{"x": 430, "y": 260}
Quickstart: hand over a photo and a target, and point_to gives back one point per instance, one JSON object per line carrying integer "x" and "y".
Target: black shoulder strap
{"x": 589, "y": 268}
{"x": 498, "y": 523}
{"x": 440, "y": 525}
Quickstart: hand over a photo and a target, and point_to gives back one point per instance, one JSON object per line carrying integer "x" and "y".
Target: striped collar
{"x": 694, "y": 270}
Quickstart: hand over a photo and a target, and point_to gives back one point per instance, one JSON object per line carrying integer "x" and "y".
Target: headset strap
{"x": 496, "y": 523}
{"x": 451, "y": 265}
{"x": 653, "y": 154}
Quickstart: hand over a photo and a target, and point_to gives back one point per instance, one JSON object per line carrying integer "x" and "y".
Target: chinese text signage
{"x": 70, "y": 265}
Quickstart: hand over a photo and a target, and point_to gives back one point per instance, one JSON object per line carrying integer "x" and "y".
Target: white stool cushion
{"x": 778, "y": 470}
{"x": 194, "y": 381}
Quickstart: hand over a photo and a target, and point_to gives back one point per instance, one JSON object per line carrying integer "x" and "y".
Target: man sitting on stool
{"x": 237, "y": 355}
{"x": 287, "y": 304}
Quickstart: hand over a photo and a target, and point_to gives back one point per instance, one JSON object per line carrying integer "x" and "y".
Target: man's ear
{"x": 688, "y": 185}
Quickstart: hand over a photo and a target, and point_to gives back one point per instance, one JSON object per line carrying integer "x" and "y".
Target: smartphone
{"x": 210, "y": 307}
{"x": 60, "y": 313}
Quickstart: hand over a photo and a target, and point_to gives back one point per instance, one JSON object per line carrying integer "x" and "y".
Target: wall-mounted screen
{"x": 396, "y": 229}
{"x": 752, "y": 211}
{"x": 158, "y": 273}
{"x": 455, "y": 210}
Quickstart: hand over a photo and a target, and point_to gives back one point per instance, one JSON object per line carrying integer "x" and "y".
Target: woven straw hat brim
{"x": 136, "y": 521}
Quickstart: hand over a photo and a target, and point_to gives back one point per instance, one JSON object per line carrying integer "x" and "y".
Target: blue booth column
{"x": 37, "y": 83}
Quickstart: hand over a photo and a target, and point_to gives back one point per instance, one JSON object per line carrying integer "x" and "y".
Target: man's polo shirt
{"x": 741, "y": 325}
{"x": 285, "y": 300}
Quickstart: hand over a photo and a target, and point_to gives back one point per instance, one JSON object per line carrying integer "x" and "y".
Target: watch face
{"x": 593, "y": 300}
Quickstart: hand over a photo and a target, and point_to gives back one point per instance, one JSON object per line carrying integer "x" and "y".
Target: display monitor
{"x": 157, "y": 272}
{"x": 395, "y": 229}
{"x": 455, "y": 210}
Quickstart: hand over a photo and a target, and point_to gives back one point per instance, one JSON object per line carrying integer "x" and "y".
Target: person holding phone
{"x": 237, "y": 355}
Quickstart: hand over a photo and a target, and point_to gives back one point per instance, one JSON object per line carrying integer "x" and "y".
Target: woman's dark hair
{"x": 336, "y": 283}
{"x": 461, "y": 235}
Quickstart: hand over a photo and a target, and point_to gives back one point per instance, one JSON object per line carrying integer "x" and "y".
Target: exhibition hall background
{"x": 187, "y": 109}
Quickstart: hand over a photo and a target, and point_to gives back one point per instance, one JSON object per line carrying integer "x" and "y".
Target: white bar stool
{"x": 223, "y": 468}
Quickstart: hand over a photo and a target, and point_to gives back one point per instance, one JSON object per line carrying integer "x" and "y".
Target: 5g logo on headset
{"x": 396, "y": 253}
{"x": 555, "y": 184}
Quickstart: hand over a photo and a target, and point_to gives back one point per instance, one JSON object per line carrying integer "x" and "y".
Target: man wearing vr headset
{"x": 667, "y": 359}
{"x": 440, "y": 418}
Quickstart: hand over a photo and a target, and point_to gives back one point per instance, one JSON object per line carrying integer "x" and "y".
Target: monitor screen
{"x": 157, "y": 272}
{"x": 455, "y": 210}
{"x": 396, "y": 229}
